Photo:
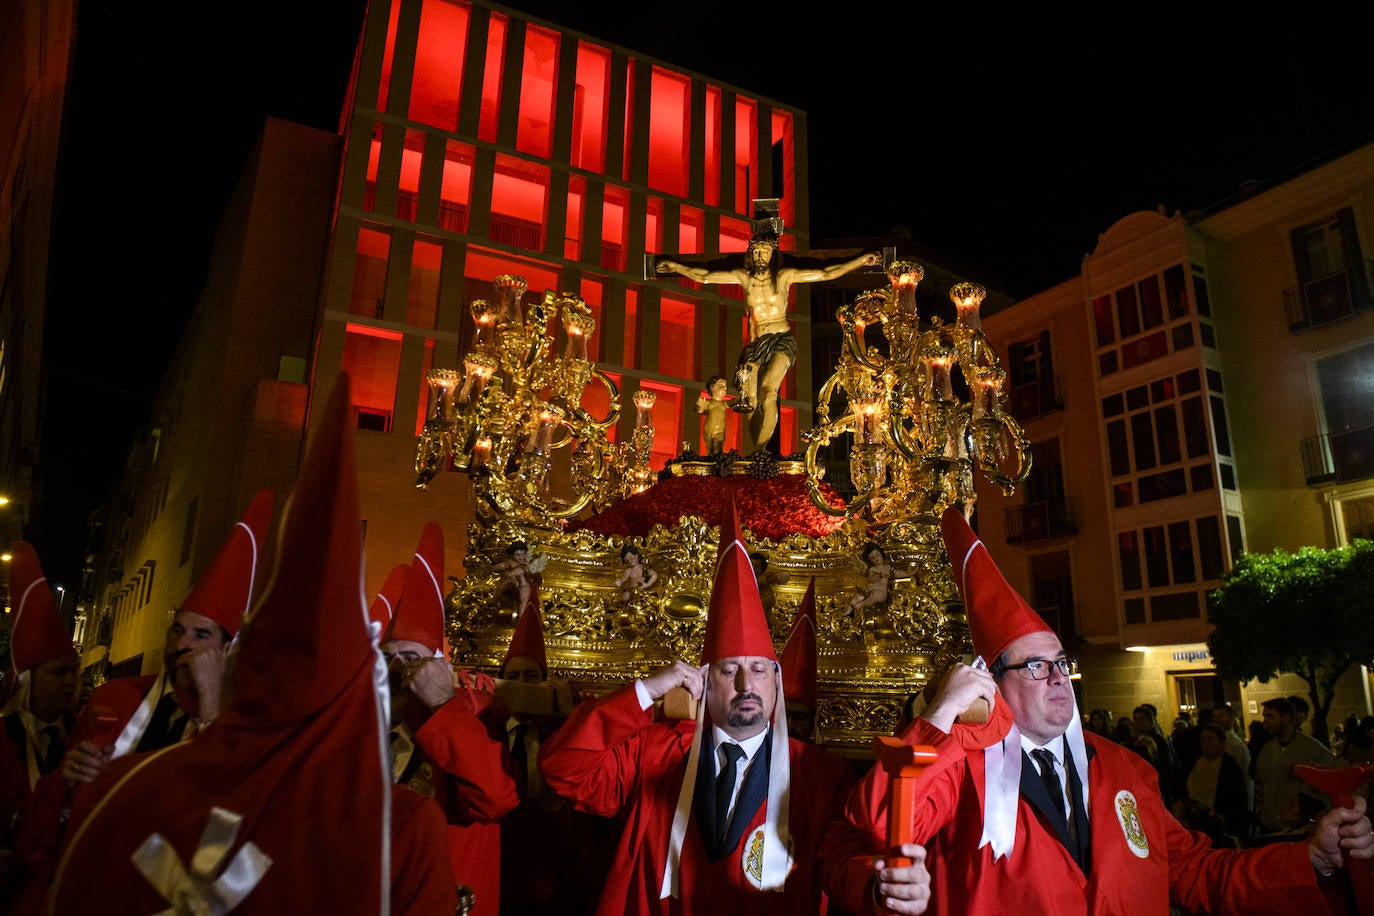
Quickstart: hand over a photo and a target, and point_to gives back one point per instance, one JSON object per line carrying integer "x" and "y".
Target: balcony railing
{"x": 1041, "y": 521}
{"x": 1326, "y": 299}
{"x": 517, "y": 232}
{"x": 1339, "y": 457}
{"x": 1037, "y": 398}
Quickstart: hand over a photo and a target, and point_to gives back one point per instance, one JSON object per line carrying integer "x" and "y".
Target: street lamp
{"x": 61, "y": 596}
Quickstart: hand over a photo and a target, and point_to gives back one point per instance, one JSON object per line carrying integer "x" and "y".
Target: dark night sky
{"x": 1009, "y": 148}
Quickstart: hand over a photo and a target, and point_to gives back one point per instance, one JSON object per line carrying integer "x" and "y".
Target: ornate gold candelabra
{"x": 916, "y": 441}
{"x": 516, "y": 408}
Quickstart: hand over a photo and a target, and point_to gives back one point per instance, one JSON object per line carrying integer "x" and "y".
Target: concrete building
{"x": 475, "y": 142}
{"x": 1201, "y": 389}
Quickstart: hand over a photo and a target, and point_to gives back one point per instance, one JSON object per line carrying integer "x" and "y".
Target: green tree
{"x": 1310, "y": 613}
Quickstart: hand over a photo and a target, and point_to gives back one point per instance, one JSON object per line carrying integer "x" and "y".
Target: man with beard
{"x": 721, "y": 815}
{"x": 772, "y": 349}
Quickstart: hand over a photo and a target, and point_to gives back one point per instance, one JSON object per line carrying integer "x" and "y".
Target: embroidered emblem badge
{"x": 422, "y": 780}
{"x": 751, "y": 859}
{"x": 1128, "y": 813}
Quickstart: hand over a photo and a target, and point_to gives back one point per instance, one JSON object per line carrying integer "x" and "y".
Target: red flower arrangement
{"x": 771, "y": 509}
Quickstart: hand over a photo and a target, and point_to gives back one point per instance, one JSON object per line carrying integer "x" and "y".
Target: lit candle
{"x": 481, "y": 451}
{"x": 968, "y": 300}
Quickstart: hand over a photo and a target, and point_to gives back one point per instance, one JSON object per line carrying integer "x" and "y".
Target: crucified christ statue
{"x": 771, "y": 349}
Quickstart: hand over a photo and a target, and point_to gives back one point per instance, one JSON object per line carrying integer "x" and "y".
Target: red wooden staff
{"x": 1340, "y": 785}
{"x": 904, "y": 763}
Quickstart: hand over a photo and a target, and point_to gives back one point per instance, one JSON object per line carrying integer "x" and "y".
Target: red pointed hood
{"x": 419, "y": 615}
{"x": 529, "y": 639}
{"x": 225, "y": 590}
{"x": 37, "y": 633}
{"x": 384, "y": 605}
{"x": 735, "y": 624}
{"x": 799, "y": 655}
{"x": 997, "y": 614}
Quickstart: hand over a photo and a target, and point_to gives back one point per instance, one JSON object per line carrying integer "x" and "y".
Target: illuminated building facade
{"x": 479, "y": 142}
{"x": 1200, "y": 390}
{"x": 475, "y": 142}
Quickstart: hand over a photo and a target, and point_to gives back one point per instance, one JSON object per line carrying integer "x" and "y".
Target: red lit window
{"x": 374, "y": 157}
{"x": 713, "y": 146}
{"x": 369, "y": 273}
{"x": 667, "y": 422}
{"x": 519, "y": 203}
{"x": 653, "y": 226}
{"x": 629, "y": 119}
{"x": 615, "y": 218}
{"x": 484, "y": 266}
{"x": 455, "y": 188}
{"x": 426, "y": 365}
{"x": 372, "y": 359}
{"x": 787, "y": 423}
{"x": 592, "y": 294}
{"x": 383, "y": 90}
{"x": 691, "y": 229}
{"x": 670, "y": 113}
{"x": 408, "y": 193}
{"x": 784, "y": 185}
{"x": 746, "y": 153}
{"x": 677, "y": 338}
{"x": 590, "y": 107}
{"x": 596, "y": 400}
{"x": 734, "y": 235}
{"x": 572, "y": 231}
{"x": 422, "y": 297}
{"x": 534, "y": 134}
{"x": 631, "y": 328}
{"x": 439, "y": 52}
{"x": 491, "y": 79}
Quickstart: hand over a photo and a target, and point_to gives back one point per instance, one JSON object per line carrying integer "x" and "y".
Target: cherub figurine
{"x": 636, "y": 576}
{"x": 714, "y": 407}
{"x": 880, "y": 574}
{"x": 521, "y": 572}
{"x": 767, "y": 578}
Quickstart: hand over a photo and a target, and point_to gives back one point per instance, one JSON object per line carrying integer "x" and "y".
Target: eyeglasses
{"x": 1039, "y": 668}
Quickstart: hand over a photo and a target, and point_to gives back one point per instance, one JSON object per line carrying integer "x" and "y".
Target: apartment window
{"x": 490, "y": 114}
{"x": 628, "y": 126}
{"x": 1347, "y": 389}
{"x": 369, "y": 273}
{"x": 1332, "y": 281}
{"x": 713, "y": 157}
{"x": 519, "y": 203}
{"x": 667, "y": 422}
{"x": 1154, "y": 428}
{"x": 593, "y": 292}
{"x": 1142, "y": 322}
{"x": 374, "y": 158}
{"x": 784, "y": 156}
{"x": 678, "y": 341}
{"x": 1030, "y": 367}
{"x": 455, "y": 187}
{"x": 422, "y": 294}
{"x": 1186, "y": 552}
{"x": 572, "y": 224}
{"x": 388, "y": 55}
{"x": 372, "y": 359}
{"x": 591, "y": 107}
{"x": 439, "y": 50}
{"x": 538, "y": 84}
{"x": 746, "y": 153}
{"x": 691, "y": 229}
{"x": 787, "y": 430}
{"x": 653, "y": 226}
{"x": 1052, "y": 591}
{"x": 615, "y": 227}
{"x": 670, "y": 113}
{"x": 408, "y": 191}
{"x": 734, "y": 237}
{"x": 631, "y": 354}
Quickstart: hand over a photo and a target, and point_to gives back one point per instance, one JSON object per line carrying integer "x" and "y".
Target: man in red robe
{"x": 721, "y": 817}
{"x": 285, "y": 804}
{"x": 1026, "y": 813}
{"x": 441, "y": 745}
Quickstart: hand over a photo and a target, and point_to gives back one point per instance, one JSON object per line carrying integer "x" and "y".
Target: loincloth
{"x": 763, "y": 350}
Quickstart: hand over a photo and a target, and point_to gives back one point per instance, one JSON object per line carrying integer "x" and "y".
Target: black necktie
{"x": 725, "y": 787}
{"x": 519, "y": 755}
{"x": 53, "y": 755}
{"x": 1050, "y": 778}
{"x": 158, "y": 734}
